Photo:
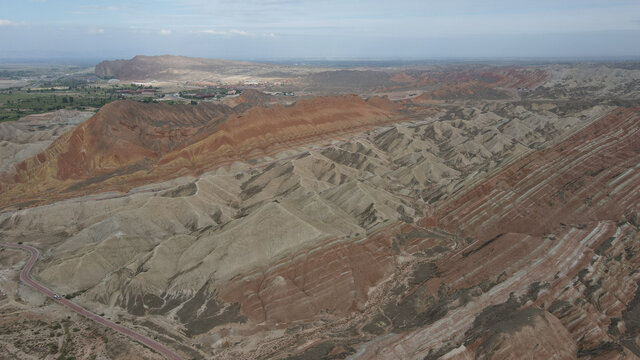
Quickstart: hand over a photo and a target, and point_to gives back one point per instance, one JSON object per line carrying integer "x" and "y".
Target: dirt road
{"x": 26, "y": 278}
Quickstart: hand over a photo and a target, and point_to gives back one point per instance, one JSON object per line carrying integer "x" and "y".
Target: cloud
{"x": 225, "y": 32}
{"x": 96, "y": 31}
{"x": 165, "y": 32}
{"x": 5, "y": 22}
{"x": 103, "y": 8}
{"x": 238, "y": 32}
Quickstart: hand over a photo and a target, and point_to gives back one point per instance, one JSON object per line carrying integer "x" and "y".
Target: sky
{"x": 320, "y": 29}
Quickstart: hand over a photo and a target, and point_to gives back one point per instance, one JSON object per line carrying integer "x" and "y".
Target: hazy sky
{"x": 253, "y": 29}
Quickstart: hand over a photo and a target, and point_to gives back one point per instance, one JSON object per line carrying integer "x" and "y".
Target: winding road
{"x": 26, "y": 278}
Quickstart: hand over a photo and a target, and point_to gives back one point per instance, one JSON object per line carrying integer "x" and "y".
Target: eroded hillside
{"x": 452, "y": 224}
{"x": 130, "y": 143}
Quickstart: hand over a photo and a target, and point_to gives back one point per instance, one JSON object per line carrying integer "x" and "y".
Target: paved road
{"x": 26, "y": 278}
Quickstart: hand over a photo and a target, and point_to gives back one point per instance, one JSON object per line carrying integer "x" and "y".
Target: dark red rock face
{"x": 329, "y": 278}
{"x": 590, "y": 176}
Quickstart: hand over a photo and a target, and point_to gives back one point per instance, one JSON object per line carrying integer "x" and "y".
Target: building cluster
{"x": 136, "y": 92}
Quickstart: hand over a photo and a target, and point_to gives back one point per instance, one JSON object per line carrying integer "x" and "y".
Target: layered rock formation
{"x": 128, "y": 143}
{"x": 540, "y": 267}
{"x": 335, "y": 227}
{"x": 436, "y": 232}
{"x": 20, "y": 140}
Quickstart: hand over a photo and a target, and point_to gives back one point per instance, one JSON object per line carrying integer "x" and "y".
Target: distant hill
{"x": 169, "y": 67}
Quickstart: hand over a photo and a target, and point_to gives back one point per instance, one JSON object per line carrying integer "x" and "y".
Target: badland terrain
{"x": 236, "y": 210}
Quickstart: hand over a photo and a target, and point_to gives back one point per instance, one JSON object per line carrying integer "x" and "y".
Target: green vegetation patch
{"x": 16, "y": 103}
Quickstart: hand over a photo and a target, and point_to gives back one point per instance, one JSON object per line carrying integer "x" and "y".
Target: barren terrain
{"x": 451, "y": 212}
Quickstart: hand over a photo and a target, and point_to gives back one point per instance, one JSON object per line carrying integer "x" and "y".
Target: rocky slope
{"x": 129, "y": 143}
{"x": 394, "y": 231}
{"x": 525, "y": 267}
{"x": 455, "y": 224}
{"x": 20, "y": 140}
{"x": 592, "y": 80}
